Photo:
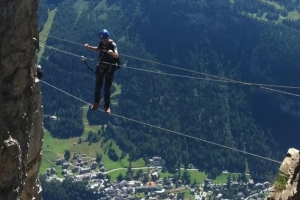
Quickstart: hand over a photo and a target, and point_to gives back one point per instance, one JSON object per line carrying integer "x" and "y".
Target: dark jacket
{"x": 104, "y": 57}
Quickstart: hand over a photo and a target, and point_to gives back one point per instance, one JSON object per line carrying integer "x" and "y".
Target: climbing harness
{"x": 83, "y": 59}
{"x": 103, "y": 69}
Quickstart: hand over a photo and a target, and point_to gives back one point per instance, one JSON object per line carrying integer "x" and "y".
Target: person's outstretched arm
{"x": 87, "y": 46}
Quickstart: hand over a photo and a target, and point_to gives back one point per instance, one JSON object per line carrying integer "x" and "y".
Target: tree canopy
{"x": 211, "y": 36}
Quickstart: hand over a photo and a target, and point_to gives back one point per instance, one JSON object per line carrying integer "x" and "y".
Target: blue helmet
{"x": 104, "y": 34}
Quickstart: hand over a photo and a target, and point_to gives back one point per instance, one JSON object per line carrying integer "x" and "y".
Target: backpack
{"x": 116, "y": 60}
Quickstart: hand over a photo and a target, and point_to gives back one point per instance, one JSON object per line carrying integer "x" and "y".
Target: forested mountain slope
{"x": 233, "y": 39}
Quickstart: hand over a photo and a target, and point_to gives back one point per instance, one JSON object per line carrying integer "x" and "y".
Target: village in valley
{"x": 147, "y": 183}
{"x": 117, "y": 178}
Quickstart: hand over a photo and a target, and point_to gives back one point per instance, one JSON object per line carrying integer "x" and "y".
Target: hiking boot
{"x": 107, "y": 110}
{"x": 95, "y": 106}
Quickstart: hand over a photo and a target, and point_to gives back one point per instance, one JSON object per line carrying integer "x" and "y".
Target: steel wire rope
{"x": 191, "y": 77}
{"x": 192, "y": 71}
{"x": 167, "y": 130}
{"x": 125, "y": 66}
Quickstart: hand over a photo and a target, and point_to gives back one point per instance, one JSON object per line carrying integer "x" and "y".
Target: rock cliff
{"x": 21, "y": 128}
{"x": 287, "y": 184}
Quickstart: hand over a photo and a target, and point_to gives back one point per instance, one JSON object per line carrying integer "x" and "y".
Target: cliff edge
{"x": 21, "y": 128}
{"x": 287, "y": 185}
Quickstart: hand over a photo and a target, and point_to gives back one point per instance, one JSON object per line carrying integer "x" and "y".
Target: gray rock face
{"x": 21, "y": 129}
{"x": 32, "y": 186}
{"x": 288, "y": 186}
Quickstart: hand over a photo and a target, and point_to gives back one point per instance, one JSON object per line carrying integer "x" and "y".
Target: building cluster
{"x": 252, "y": 191}
{"x": 84, "y": 168}
{"x": 156, "y": 161}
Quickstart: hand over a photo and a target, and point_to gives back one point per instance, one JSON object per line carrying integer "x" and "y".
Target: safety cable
{"x": 167, "y": 130}
{"x": 50, "y": 47}
{"x": 191, "y": 77}
{"x": 177, "y": 75}
{"x": 61, "y": 39}
{"x": 125, "y": 66}
{"x": 205, "y": 74}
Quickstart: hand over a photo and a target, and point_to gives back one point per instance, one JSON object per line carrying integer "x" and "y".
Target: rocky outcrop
{"x": 32, "y": 186}
{"x": 287, "y": 185}
{"x": 21, "y": 130}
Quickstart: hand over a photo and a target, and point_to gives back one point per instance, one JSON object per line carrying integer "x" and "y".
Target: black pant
{"x": 106, "y": 74}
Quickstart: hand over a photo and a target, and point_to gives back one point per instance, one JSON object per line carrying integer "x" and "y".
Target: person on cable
{"x": 108, "y": 62}
{"x": 38, "y": 72}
